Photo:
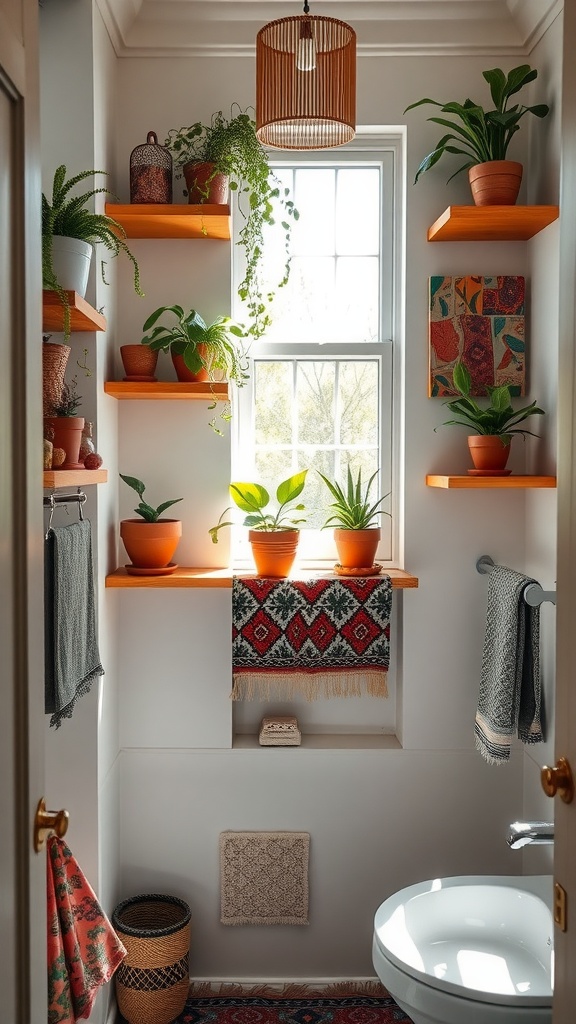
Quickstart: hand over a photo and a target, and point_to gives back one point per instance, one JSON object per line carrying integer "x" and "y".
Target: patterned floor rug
{"x": 337, "y": 1004}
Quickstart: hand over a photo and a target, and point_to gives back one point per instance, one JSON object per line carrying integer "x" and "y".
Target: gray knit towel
{"x": 510, "y": 696}
{"x": 72, "y": 660}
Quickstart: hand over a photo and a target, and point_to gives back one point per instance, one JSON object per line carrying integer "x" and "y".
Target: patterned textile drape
{"x": 310, "y": 638}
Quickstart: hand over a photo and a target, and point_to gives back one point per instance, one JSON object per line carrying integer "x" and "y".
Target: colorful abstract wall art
{"x": 480, "y": 321}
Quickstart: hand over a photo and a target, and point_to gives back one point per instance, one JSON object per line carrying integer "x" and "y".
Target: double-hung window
{"x": 320, "y": 390}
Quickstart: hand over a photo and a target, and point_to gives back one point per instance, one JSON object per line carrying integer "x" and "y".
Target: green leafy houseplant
{"x": 67, "y": 215}
{"x": 231, "y": 145}
{"x": 477, "y": 134}
{"x": 351, "y": 508}
{"x": 498, "y": 419}
{"x": 224, "y": 354}
{"x": 148, "y": 513}
{"x": 254, "y": 499}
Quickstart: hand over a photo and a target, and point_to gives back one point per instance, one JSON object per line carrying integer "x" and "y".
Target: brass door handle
{"x": 47, "y": 822}
{"x": 558, "y": 780}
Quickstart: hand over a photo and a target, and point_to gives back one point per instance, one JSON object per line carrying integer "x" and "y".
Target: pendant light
{"x": 305, "y": 82}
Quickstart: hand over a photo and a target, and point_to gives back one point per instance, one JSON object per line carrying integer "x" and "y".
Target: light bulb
{"x": 306, "y": 52}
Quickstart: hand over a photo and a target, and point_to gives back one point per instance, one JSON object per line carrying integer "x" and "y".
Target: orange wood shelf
{"x": 185, "y": 577}
{"x": 491, "y": 223}
{"x": 171, "y": 220}
{"x": 83, "y": 316}
{"x": 74, "y": 477}
{"x": 475, "y": 482}
{"x": 164, "y": 390}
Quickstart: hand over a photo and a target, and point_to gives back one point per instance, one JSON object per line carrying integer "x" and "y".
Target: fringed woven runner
{"x": 264, "y": 877}
{"x": 310, "y": 638}
{"x": 342, "y": 1003}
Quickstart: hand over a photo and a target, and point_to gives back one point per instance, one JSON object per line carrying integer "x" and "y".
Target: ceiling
{"x": 228, "y": 27}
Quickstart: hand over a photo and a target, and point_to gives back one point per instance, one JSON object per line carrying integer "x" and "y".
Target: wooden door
{"x": 22, "y": 871}
{"x": 565, "y": 733}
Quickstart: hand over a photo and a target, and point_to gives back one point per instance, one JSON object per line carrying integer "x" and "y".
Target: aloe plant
{"x": 498, "y": 419}
{"x": 351, "y": 509}
{"x": 482, "y": 135}
{"x": 148, "y": 512}
{"x": 254, "y": 499}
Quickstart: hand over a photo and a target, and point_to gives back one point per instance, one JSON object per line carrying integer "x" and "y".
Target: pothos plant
{"x": 231, "y": 145}
{"x": 254, "y": 499}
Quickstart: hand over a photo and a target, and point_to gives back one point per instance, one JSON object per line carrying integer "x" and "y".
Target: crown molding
{"x": 227, "y": 28}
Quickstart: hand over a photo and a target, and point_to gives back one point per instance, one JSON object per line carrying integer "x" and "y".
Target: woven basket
{"x": 54, "y": 359}
{"x": 152, "y": 982}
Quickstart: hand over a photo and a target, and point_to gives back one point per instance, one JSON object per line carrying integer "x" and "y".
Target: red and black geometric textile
{"x": 362, "y": 1004}
{"x": 313, "y": 637}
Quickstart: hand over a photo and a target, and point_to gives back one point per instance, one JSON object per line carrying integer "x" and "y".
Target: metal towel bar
{"x": 77, "y": 498}
{"x": 534, "y": 595}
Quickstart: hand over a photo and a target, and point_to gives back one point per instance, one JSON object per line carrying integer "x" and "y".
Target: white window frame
{"x": 385, "y": 148}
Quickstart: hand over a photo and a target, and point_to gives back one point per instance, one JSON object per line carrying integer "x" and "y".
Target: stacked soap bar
{"x": 279, "y": 731}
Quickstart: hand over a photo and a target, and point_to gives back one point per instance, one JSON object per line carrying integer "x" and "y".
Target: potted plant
{"x": 355, "y": 519}
{"x": 493, "y": 427}
{"x": 229, "y": 147}
{"x": 150, "y": 541}
{"x": 199, "y": 351}
{"x": 273, "y": 535}
{"x": 66, "y": 427}
{"x": 69, "y": 231}
{"x": 483, "y": 136}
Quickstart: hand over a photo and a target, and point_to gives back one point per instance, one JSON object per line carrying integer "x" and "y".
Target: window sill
{"x": 185, "y": 577}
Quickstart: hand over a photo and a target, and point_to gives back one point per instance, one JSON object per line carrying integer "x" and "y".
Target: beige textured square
{"x": 264, "y": 877}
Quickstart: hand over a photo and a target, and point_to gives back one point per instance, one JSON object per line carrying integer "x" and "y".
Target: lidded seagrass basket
{"x": 152, "y": 982}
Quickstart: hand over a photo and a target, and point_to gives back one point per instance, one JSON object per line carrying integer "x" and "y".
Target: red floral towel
{"x": 83, "y": 948}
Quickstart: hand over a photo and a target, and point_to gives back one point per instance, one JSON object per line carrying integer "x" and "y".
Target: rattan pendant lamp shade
{"x": 305, "y": 82}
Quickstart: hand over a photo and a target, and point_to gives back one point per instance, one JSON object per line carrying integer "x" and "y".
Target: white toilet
{"x": 470, "y": 949}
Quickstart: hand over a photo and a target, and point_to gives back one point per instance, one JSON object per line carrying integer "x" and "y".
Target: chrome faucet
{"x": 524, "y": 833}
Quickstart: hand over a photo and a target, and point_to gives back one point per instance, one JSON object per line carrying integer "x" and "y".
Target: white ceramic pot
{"x": 71, "y": 262}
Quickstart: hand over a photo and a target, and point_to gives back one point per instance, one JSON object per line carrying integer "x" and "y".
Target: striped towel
{"x": 509, "y": 702}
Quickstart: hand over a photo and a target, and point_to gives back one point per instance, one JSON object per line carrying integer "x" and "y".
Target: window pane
{"x": 359, "y": 403}
{"x": 304, "y": 309}
{"x": 315, "y": 402}
{"x": 357, "y": 299}
{"x": 314, "y": 196}
{"x": 358, "y": 211}
{"x": 273, "y": 386}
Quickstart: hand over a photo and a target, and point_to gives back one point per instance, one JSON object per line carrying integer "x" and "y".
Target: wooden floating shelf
{"x": 171, "y": 220}
{"x": 166, "y": 390}
{"x": 74, "y": 477}
{"x": 491, "y": 223}
{"x": 475, "y": 482}
{"x": 83, "y": 316}
{"x": 185, "y": 577}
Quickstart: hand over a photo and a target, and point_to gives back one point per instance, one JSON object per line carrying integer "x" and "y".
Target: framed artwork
{"x": 479, "y": 321}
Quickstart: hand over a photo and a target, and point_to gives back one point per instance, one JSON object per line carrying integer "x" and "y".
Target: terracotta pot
{"x": 68, "y": 436}
{"x": 150, "y": 545}
{"x": 139, "y": 362}
{"x": 200, "y": 190}
{"x": 274, "y": 553}
{"x": 495, "y": 183}
{"x": 54, "y": 360}
{"x": 488, "y": 453}
{"x": 357, "y": 548}
{"x": 182, "y": 371}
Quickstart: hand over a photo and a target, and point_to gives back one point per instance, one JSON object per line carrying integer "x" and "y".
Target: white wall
{"x": 379, "y": 819}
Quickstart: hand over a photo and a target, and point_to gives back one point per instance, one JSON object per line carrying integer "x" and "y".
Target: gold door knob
{"x": 47, "y": 822}
{"x": 558, "y": 780}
